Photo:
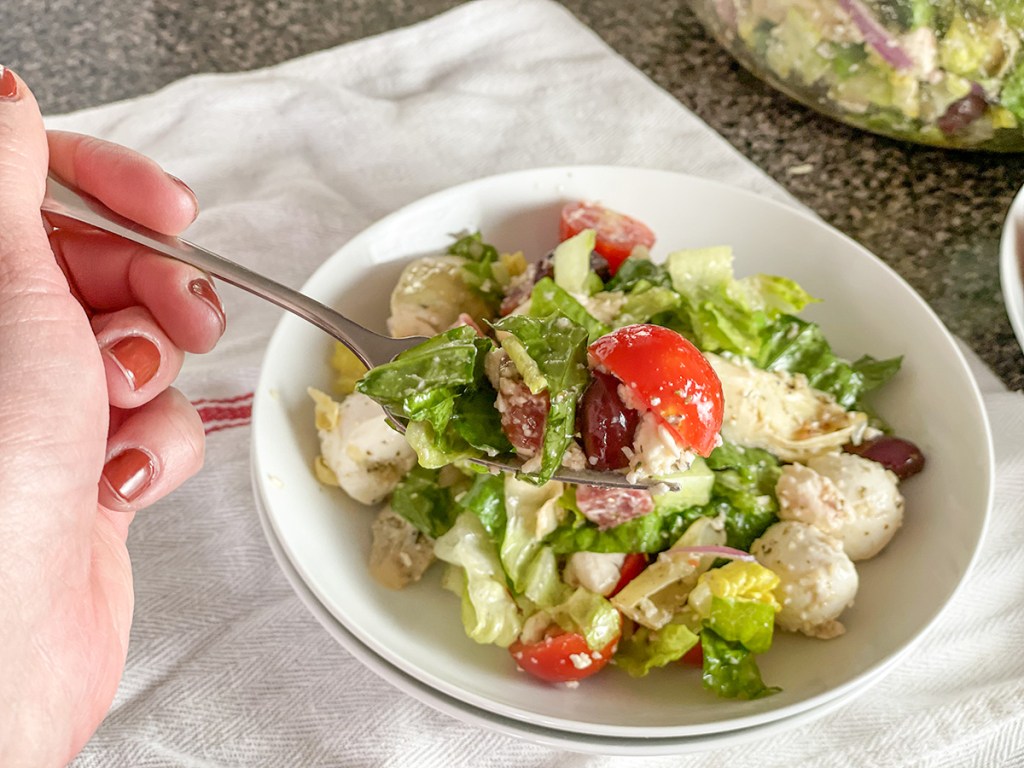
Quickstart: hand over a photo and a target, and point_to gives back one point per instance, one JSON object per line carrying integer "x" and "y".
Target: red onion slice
{"x": 877, "y": 36}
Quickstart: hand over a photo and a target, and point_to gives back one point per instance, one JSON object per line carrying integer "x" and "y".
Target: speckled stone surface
{"x": 934, "y": 216}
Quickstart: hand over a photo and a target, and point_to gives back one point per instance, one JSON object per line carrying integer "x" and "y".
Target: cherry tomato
{"x": 694, "y": 656}
{"x": 561, "y": 658}
{"x": 632, "y": 566}
{"x": 670, "y": 377}
{"x": 617, "y": 234}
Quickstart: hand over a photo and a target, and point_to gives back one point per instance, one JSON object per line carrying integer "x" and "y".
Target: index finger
{"x": 124, "y": 180}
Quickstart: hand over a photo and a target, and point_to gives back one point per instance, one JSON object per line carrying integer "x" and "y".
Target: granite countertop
{"x": 934, "y": 216}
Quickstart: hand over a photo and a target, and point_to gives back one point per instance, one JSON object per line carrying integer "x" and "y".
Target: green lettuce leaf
{"x": 637, "y": 272}
{"x": 726, "y": 314}
{"x": 489, "y": 612}
{"x": 797, "y": 346}
{"x": 747, "y": 622}
{"x": 420, "y": 500}
{"x": 485, "y": 498}
{"x": 478, "y": 271}
{"x": 647, "y": 649}
{"x": 744, "y": 492}
{"x": 730, "y": 670}
{"x": 589, "y": 614}
{"x": 558, "y": 347}
{"x": 548, "y": 299}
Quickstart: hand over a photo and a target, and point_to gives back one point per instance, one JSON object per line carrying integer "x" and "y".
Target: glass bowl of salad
{"x": 947, "y": 73}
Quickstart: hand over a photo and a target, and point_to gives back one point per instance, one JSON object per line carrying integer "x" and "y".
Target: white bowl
{"x": 1011, "y": 265}
{"x": 867, "y": 308}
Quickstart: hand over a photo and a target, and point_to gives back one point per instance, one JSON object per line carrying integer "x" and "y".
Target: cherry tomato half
{"x": 617, "y": 234}
{"x": 561, "y": 658}
{"x": 670, "y": 377}
{"x": 632, "y": 566}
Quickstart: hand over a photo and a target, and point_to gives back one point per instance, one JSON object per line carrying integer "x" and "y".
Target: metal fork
{"x": 373, "y": 349}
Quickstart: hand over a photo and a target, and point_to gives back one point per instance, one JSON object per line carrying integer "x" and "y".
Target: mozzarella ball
{"x": 852, "y": 499}
{"x": 817, "y": 581}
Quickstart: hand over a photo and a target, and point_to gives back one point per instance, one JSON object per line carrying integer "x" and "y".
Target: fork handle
{"x": 64, "y": 201}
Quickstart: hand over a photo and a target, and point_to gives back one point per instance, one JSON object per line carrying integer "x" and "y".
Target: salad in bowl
{"x": 762, "y": 475}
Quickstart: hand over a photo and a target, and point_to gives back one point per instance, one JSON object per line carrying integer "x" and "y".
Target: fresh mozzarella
{"x": 817, "y": 581}
{"x": 853, "y": 499}
{"x": 368, "y": 457}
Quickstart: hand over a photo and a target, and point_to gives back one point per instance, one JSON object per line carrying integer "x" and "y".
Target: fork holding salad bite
{"x": 760, "y": 472}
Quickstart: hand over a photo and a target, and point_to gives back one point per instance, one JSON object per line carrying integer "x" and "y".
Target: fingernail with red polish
{"x": 204, "y": 290}
{"x": 137, "y": 357}
{"x": 8, "y": 84}
{"x": 129, "y": 473}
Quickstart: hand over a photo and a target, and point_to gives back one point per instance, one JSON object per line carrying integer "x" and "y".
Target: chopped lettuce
{"x": 571, "y": 261}
{"x": 485, "y": 498}
{"x": 440, "y": 387}
{"x": 797, "y": 346}
{"x": 737, "y": 607}
{"x": 647, "y": 649}
{"x": 478, "y": 271}
{"x": 730, "y": 670}
{"x": 744, "y": 492}
{"x": 637, "y": 272}
{"x": 726, "y": 314}
{"x": 548, "y": 299}
{"x": 489, "y": 612}
{"x": 423, "y": 502}
{"x": 531, "y": 511}
{"x": 558, "y": 348}
{"x": 589, "y": 614}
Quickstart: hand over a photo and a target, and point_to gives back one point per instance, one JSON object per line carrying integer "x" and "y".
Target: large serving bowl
{"x": 948, "y": 73}
{"x": 866, "y": 308}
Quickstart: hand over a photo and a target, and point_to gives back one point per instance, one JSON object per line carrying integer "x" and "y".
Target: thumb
{"x": 44, "y": 334}
{"x": 23, "y": 163}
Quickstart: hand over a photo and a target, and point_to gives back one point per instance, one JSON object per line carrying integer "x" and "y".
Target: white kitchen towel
{"x": 226, "y": 667}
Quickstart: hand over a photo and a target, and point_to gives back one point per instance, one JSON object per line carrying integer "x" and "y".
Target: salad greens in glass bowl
{"x": 947, "y": 73}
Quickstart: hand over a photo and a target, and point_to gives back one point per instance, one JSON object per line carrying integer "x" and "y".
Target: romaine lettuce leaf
{"x": 730, "y": 670}
{"x": 548, "y": 299}
{"x": 485, "y": 498}
{"x": 725, "y": 313}
{"x": 589, "y": 614}
{"x": 424, "y": 503}
{"x": 531, "y": 511}
{"x": 478, "y": 271}
{"x": 489, "y": 612}
{"x": 646, "y": 649}
{"x": 636, "y": 270}
{"x": 558, "y": 346}
{"x": 744, "y": 492}
{"x": 797, "y": 346}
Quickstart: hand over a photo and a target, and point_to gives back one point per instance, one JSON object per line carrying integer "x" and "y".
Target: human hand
{"x": 93, "y": 330}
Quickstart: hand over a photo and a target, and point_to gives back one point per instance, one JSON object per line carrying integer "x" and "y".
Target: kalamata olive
{"x": 605, "y": 423}
{"x": 962, "y": 112}
{"x": 537, "y": 271}
{"x": 598, "y": 263}
{"x": 900, "y": 456}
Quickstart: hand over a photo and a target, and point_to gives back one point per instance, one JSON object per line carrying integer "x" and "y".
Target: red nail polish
{"x": 129, "y": 473}
{"x": 137, "y": 357}
{"x": 8, "y": 84}
{"x": 203, "y": 289}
